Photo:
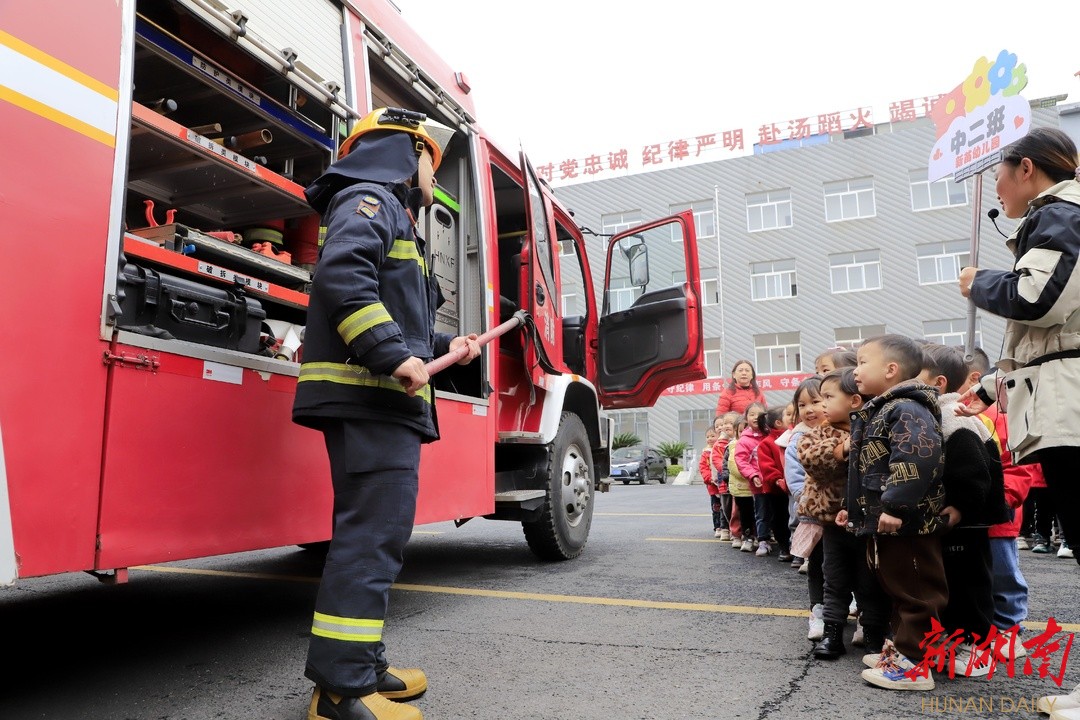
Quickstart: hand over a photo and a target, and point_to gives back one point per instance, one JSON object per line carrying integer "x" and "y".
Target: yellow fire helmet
{"x": 431, "y": 133}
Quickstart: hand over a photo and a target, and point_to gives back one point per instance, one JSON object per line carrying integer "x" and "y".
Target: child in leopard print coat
{"x": 822, "y": 451}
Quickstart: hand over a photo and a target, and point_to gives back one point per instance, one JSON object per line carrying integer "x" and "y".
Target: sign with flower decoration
{"x": 978, "y": 118}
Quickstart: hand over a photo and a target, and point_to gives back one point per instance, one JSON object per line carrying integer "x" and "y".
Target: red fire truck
{"x": 158, "y": 251}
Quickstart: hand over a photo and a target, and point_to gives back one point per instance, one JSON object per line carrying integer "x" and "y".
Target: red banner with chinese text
{"x": 767, "y": 383}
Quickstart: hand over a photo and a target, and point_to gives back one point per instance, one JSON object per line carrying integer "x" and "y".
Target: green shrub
{"x": 673, "y": 451}
{"x": 673, "y": 470}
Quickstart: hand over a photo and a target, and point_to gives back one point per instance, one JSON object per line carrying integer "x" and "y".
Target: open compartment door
{"x": 650, "y": 328}
{"x": 540, "y": 288}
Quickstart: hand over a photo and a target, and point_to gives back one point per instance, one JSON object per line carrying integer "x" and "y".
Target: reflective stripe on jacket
{"x": 372, "y": 306}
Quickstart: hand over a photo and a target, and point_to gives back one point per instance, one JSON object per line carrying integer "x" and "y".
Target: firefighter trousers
{"x": 374, "y": 466}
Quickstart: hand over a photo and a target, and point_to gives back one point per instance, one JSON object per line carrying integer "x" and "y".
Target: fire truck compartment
{"x": 165, "y": 306}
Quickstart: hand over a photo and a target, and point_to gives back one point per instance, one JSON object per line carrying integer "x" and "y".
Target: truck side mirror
{"x": 637, "y": 255}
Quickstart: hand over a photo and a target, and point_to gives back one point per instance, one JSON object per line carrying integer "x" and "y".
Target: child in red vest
{"x": 708, "y": 477}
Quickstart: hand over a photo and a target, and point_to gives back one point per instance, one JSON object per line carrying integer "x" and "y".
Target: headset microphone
{"x": 992, "y": 213}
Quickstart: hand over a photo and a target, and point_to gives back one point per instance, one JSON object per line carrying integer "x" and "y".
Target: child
{"x": 832, "y": 359}
{"x": 708, "y": 476}
{"x": 1010, "y": 589}
{"x": 807, "y": 414}
{"x": 724, "y": 426}
{"x": 974, "y": 500}
{"x": 773, "y": 498}
{"x": 789, "y": 416}
{"x": 806, "y": 531}
{"x": 895, "y": 498}
{"x": 739, "y": 487}
{"x": 844, "y": 567}
{"x": 743, "y": 468}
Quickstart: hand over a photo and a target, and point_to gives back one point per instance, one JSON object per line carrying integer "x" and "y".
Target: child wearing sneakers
{"x": 895, "y": 498}
{"x": 708, "y": 477}
{"x": 1010, "y": 589}
{"x": 974, "y": 500}
{"x": 773, "y": 499}
{"x": 741, "y": 468}
{"x": 806, "y": 533}
{"x": 724, "y": 425}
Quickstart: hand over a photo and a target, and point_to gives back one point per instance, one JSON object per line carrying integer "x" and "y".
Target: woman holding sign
{"x": 1038, "y": 181}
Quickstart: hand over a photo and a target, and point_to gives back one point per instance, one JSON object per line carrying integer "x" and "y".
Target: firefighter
{"x": 370, "y": 329}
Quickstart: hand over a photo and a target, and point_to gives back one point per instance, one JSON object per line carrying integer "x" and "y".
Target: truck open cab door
{"x": 650, "y": 333}
{"x": 540, "y": 288}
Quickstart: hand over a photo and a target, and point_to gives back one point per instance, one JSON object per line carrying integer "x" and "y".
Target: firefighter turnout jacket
{"x": 373, "y": 297}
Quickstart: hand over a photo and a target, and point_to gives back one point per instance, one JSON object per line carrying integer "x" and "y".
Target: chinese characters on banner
{"x": 673, "y": 152}
{"x": 998, "y": 648}
{"x": 978, "y": 118}
{"x": 765, "y": 383}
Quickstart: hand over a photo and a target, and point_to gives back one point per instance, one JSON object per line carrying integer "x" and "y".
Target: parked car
{"x": 637, "y": 462}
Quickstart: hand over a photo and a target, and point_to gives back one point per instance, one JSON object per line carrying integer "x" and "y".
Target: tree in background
{"x": 673, "y": 451}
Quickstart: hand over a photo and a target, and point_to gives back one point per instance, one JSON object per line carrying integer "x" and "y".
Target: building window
{"x": 768, "y": 210}
{"x": 692, "y": 427}
{"x": 855, "y": 271}
{"x": 713, "y": 363}
{"x": 710, "y": 288}
{"x": 951, "y": 332}
{"x": 851, "y": 337}
{"x": 704, "y": 219}
{"x": 570, "y": 305}
{"x": 849, "y": 199}
{"x": 714, "y": 358}
{"x": 777, "y": 353}
{"x": 636, "y": 423}
{"x": 615, "y": 223}
{"x": 772, "y": 280}
{"x": 926, "y": 195}
{"x": 941, "y": 262}
{"x": 621, "y": 294}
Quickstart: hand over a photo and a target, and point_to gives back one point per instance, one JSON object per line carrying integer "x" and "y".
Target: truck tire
{"x": 563, "y": 528}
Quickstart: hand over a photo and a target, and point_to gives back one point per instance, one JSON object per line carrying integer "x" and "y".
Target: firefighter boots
{"x": 401, "y": 684}
{"x": 326, "y": 705}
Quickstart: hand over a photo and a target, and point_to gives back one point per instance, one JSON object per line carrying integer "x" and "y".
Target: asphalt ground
{"x": 655, "y": 621}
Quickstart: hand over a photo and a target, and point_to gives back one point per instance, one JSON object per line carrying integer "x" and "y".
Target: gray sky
{"x": 572, "y": 78}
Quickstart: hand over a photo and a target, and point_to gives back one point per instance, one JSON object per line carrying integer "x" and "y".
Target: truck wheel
{"x": 563, "y": 527}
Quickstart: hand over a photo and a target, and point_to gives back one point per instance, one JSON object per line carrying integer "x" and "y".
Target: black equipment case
{"x": 165, "y": 306}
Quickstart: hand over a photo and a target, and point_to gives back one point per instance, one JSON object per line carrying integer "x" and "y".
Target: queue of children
{"x": 900, "y": 505}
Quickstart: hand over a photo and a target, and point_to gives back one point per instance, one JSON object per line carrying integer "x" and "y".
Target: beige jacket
{"x": 1040, "y": 299}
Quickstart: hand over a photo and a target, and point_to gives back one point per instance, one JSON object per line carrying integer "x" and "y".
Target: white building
{"x": 809, "y": 248}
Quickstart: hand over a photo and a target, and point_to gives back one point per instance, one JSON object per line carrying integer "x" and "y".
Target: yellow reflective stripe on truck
{"x": 46, "y": 86}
